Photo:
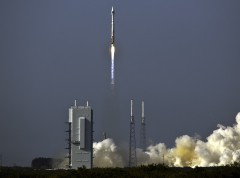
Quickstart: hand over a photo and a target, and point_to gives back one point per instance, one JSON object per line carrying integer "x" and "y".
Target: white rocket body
{"x": 112, "y": 28}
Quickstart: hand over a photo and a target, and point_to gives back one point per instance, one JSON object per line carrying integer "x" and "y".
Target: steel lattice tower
{"x": 69, "y": 145}
{"x": 143, "y": 130}
{"x": 132, "y": 144}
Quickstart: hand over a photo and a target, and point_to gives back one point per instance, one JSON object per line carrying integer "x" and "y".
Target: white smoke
{"x": 106, "y": 154}
{"x": 222, "y": 147}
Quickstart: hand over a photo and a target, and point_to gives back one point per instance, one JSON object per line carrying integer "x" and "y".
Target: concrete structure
{"x": 81, "y": 136}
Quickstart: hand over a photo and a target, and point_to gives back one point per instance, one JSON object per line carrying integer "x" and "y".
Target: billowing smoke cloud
{"x": 222, "y": 147}
{"x": 106, "y": 154}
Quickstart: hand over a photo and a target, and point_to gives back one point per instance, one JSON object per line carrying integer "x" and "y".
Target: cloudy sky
{"x": 181, "y": 57}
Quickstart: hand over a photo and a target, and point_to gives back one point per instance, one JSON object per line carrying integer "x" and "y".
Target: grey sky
{"x": 181, "y": 57}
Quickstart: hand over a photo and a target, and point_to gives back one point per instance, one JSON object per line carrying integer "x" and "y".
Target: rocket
{"x": 112, "y": 47}
{"x": 112, "y": 29}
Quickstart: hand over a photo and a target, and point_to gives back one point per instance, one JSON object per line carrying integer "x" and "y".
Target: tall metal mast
{"x": 132, "y": 144}
{"x": 143, "y": 130}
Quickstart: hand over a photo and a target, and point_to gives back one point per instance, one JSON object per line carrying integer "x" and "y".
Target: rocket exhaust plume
{"x": 112, "y": 48}
{"x": 222, "y": 147}
{"x": 112, "y": 64}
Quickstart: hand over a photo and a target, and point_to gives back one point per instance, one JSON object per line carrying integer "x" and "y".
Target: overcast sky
{"x": 181, "y": 57}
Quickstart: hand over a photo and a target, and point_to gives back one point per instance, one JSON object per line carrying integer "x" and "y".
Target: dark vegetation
{"x": 45, "y": 163}
{"x": 229, "y": 171}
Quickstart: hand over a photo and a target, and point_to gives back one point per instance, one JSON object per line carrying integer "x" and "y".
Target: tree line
{"x": 153, "y": 170}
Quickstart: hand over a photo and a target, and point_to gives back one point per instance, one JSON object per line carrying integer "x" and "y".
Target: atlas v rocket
{"x": 112, "y": 48}
{"x": 112, "y": 29}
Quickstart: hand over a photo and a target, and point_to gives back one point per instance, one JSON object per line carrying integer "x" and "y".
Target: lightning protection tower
{"x": 143, "y": 130}
{"x": 132, "y": 144}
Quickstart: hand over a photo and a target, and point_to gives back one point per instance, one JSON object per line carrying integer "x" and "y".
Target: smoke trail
{"x": 222, "y": 147}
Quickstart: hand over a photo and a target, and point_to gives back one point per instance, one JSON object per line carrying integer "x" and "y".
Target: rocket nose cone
{"x": 112, "y": 10}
